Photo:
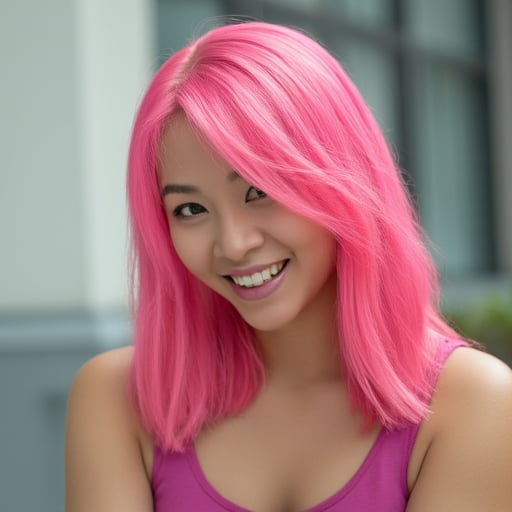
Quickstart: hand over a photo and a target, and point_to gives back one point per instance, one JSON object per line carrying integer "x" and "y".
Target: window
{"x": 421, "y": 66}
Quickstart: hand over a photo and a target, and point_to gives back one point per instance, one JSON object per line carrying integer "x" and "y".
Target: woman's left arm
{"x": 468, "y": 465}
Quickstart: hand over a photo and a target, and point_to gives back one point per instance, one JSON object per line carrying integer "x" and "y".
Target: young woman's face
{"x": 269, "y": 262}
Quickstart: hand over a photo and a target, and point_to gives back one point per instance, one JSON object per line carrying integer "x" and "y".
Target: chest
{"x": 304, "y": 454}
{"x": 284, "y": 457}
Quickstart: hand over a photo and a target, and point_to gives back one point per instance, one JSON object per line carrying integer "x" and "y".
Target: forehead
{"x": 183, "y": 154}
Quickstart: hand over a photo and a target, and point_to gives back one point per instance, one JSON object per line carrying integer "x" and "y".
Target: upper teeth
{"x": 258, "y": 278}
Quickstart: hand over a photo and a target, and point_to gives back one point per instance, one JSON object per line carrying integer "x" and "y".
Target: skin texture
{"x": 230, "y": 226}
{"x": 468, "y": 462}
{"x": 462, "y": 458}
{"x": 105, "y": 468}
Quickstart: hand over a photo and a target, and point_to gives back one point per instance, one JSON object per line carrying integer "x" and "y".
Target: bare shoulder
{"x": 469, "y": 461}
{"x": 108, "y": 368}
{"x": 471, "y": 371}
{"x": 101, "y": 385}
{"x": 105, "y": 468}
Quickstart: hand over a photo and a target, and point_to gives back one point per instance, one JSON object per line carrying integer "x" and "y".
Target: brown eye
{"x": 254, "y": 193}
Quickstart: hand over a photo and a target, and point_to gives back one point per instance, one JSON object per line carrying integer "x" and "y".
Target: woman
{"x": 288, "y": 352}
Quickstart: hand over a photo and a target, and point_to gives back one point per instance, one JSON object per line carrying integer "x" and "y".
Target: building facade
{"x": 437, "y": 74}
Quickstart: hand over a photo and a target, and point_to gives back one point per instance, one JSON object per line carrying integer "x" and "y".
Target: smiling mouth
{"x": 258, "y": 278}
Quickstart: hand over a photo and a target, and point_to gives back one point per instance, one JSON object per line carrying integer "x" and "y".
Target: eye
{"x": 254, "y": 193}
{"x": 188, "y": 210}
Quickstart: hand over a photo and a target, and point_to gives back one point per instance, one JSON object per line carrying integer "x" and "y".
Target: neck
{"x": 305, "y": 352}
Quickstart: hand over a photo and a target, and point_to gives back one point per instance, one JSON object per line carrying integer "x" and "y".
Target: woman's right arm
{"x": 105, "y": 469}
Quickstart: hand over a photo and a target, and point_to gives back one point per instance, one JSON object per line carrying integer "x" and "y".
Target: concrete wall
{"x": 73, "y": 72}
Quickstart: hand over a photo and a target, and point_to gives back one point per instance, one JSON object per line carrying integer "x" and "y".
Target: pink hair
{"x": 280, "y": 109}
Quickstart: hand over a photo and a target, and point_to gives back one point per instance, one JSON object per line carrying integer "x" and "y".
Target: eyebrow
{"x": 178, "y": 189}
{"x": 174, "y": 188}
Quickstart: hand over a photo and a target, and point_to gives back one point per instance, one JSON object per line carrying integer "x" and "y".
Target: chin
{"x": 267, "y": 321}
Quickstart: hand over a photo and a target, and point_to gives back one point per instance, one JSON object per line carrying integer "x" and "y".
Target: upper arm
{"x": 104, "y": 465}
{"x": 468, "y": 466}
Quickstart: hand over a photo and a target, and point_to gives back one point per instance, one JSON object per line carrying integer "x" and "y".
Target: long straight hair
{"x": 280, "y": 110}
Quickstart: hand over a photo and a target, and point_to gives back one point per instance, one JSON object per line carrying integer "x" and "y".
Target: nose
{"x": 236, "y": 237}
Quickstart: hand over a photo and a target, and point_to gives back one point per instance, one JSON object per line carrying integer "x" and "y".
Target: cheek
{"x": 310, "y": 236}
{"x": 189, "y": 251}
{"x": 328, "y": 242}
{"x": 321, "y": 247}
{"x": 325, "y": 253}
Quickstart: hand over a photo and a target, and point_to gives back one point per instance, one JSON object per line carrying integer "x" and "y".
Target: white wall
{"x": 73, "y": 72}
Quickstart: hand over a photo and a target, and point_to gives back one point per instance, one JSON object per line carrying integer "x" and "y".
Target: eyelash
{"x": 260, "y": 193}
{"x": 178, "y": 211}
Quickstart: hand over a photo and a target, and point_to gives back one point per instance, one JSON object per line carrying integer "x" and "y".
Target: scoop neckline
{"x": 208, "y": 488}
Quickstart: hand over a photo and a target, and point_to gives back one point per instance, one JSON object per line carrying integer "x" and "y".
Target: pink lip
{"x": 250, "y": 270}
{"x": 262, "y": 291}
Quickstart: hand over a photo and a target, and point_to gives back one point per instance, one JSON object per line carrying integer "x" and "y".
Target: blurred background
{"x": 437, "y": 74}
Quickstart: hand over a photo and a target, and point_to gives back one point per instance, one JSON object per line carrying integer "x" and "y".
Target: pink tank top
{"x": 380, "y": 483}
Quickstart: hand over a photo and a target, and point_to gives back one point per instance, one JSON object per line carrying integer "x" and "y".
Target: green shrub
{"x": 489, "y": 323}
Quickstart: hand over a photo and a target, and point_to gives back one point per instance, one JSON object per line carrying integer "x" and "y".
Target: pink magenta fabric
{"x": 380, "y": 483}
